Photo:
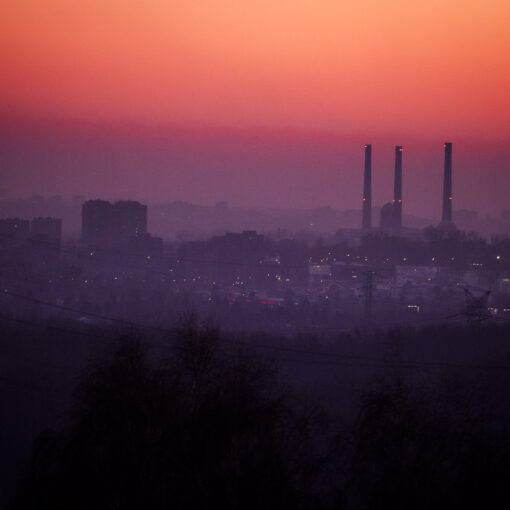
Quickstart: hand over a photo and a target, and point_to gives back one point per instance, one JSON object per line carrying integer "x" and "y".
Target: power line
{"x": 56, "y": 328}
{"x": 142, "y": 325}
{"x": 384, "y": 361}
{"x": 82, "y": 312}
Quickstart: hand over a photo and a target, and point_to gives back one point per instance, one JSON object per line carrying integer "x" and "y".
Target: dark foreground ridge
{"x": 199, "y": 419}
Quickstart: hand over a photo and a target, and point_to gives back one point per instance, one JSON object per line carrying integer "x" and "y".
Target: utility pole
{"x": 476, "y": 307}
{"x": 475, "y": 310}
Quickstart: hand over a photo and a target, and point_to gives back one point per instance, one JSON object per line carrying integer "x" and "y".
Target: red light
{"x": 267, "y": 302}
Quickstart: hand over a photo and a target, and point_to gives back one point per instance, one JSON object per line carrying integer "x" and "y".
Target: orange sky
{"x": 425, "y": 68}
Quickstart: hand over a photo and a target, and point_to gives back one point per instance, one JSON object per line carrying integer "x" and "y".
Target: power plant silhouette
{"x": 391, "y": 213}
{"x": 367, "y": 189}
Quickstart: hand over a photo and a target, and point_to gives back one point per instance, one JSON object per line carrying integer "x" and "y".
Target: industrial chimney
{"x": 397, "y": 190}
{"x": 447, "y": 189}
{"x": 367, "y": 188}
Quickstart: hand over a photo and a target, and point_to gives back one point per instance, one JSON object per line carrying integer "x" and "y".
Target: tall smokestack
{"x": 447, "y": 189}
{"x": 397, "y": 189}
{"x": 367, "y": 188}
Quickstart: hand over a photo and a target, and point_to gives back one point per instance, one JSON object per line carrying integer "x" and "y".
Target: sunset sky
{"x": 261, "y": 102}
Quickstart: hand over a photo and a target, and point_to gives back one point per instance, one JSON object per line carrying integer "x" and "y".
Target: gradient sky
{"x": 255, "y": 101}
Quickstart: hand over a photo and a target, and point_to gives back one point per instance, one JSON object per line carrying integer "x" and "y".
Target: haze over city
{"x": 254, "y": 254}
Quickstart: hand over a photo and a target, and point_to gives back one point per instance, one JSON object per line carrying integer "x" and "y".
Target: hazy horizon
{"x": 256, "y": 103}
{"x": 245, "y": 167}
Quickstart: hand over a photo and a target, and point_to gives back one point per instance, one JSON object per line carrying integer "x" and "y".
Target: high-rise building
{"x": 109, "y": 226}
{"x": 96, "y": 223}
{"x": 129, "y": 220}
{"x": 367, "y": 188}
{"x": 14, "y": 227}
{"x": 48, "y": 227}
